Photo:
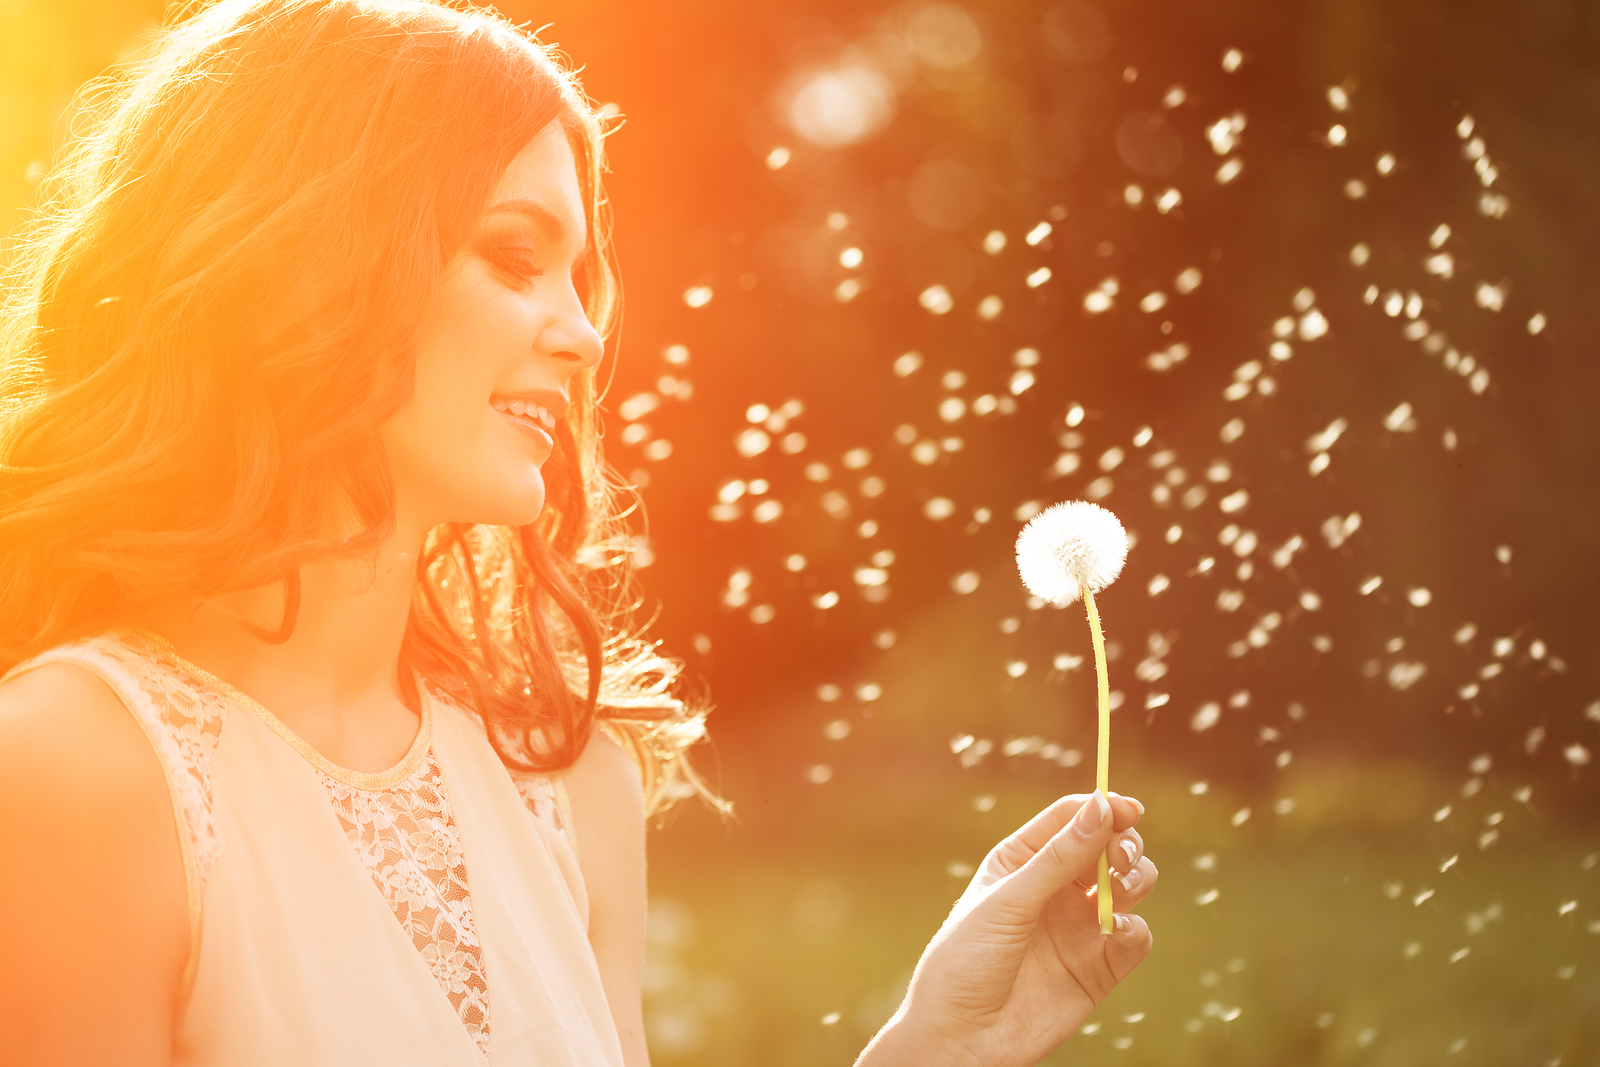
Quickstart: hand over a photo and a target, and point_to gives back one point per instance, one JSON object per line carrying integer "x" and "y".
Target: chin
{"x": 497, "y": 507}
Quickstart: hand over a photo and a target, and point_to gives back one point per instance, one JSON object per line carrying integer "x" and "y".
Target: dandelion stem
{"x": 1102, "y": 749}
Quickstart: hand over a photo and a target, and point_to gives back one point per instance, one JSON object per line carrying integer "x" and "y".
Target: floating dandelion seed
{"x": 1067, "y": 551}
{"x": 936, "y": 300}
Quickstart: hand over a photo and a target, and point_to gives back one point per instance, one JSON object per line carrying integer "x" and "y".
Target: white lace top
{"x": 400, "y": 827}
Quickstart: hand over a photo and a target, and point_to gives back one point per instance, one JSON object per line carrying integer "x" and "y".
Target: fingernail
{"x": 1091, "y": 815}
{"x": 1132, "y": 801}
{"x": 1122, "y": 923}
{"x": 1131, "y": 880}
{"x": 1128, "y": 850}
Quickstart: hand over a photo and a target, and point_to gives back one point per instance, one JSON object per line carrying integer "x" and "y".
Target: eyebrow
{"x": 541, "y": 217}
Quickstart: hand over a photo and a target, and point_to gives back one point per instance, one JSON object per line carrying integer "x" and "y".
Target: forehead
{"x": 545, "y": 174}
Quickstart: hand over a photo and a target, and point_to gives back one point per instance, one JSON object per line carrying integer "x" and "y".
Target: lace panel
{"x": 406, "y": 837}
{"x": 539, "y": 795}
{"x": 185, "y": 724}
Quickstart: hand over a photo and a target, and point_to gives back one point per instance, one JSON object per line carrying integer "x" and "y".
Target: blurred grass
{"x": 759, "y": 932}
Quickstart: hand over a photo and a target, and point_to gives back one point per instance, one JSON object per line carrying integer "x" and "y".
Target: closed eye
{"x": 515, "y": 264}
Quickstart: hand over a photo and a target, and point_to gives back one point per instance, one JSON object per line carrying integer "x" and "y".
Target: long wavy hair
{"x": 212, "y": 314}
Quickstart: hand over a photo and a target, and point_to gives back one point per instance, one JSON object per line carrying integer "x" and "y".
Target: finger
{"x": 1127, "y": 849}
{"x": 1024, "y": 843}
{"x": 1021, "y": 846}
{"x": 1071, "y": 851}
{"x": 1129, "y": 943}
{"x": 1127, "y": 890}
{"x": 1125, "y": 810}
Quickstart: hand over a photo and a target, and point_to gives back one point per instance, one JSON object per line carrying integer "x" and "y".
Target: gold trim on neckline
{"x": 372, "y": 781}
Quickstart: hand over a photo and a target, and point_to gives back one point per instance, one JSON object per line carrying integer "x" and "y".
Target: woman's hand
{"x": 1021, "y": 962}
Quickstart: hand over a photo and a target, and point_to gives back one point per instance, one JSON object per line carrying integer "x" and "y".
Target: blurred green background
{"x": 1382, "y": 846}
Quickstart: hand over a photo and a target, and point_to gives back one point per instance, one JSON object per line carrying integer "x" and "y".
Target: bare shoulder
{"x": 608, "y": 819}
{"x": 605, "y": 778}
{"x": 103, "y": 908}
{"x": 69, "y": 749}
{"x": 608, "y": 823}
{"x": 607, "y": 801}
{"x": 63, "y": 712}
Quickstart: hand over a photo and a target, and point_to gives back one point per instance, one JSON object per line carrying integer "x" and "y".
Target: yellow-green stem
{"x": 1102, "y": 749}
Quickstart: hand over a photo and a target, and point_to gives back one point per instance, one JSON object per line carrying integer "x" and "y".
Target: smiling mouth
{"x": 528, "y": 415}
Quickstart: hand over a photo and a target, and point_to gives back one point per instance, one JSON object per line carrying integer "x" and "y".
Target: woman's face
{"x": 496, "y": 347}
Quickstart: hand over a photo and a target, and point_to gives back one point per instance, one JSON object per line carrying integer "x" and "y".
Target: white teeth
{"x": 527, "y": 409}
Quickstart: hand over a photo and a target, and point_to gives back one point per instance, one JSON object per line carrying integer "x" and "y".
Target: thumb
{"x": 1073, "y": 849}
{"x": 1129, "y": 943}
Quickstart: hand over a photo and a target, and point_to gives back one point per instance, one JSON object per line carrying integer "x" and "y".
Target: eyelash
{"x": 510, "y": 262}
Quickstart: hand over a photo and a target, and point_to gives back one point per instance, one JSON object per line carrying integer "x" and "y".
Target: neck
{"x": 336, "y": 679}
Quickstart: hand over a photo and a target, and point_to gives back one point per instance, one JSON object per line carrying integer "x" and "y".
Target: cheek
{"x": 449, "y": 450}
{"x": 465, "y": 346}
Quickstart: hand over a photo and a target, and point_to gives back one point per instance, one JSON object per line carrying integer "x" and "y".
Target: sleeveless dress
{"x": 432, "y": 914}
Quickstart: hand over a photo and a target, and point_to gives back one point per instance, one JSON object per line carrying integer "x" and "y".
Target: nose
{"x": 570, "y": 337}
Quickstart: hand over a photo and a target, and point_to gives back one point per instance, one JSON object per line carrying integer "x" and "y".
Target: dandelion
{"x": 1068, "y": 551}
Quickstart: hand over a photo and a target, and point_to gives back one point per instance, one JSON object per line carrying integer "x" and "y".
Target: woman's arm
{"x": 608, "y": 824}
{"x": 94, "y": 922}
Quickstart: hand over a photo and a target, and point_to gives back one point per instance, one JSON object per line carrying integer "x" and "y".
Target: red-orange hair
{"x": 213, "y": 314}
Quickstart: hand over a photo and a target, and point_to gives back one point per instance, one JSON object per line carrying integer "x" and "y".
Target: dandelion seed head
{"x": 1069, "y": 546}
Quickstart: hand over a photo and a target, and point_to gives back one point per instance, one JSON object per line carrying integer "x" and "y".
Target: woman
{"x": 299, "y": 403}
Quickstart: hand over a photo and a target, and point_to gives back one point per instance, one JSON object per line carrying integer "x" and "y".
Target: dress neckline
{"x": 372, "y": 781}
